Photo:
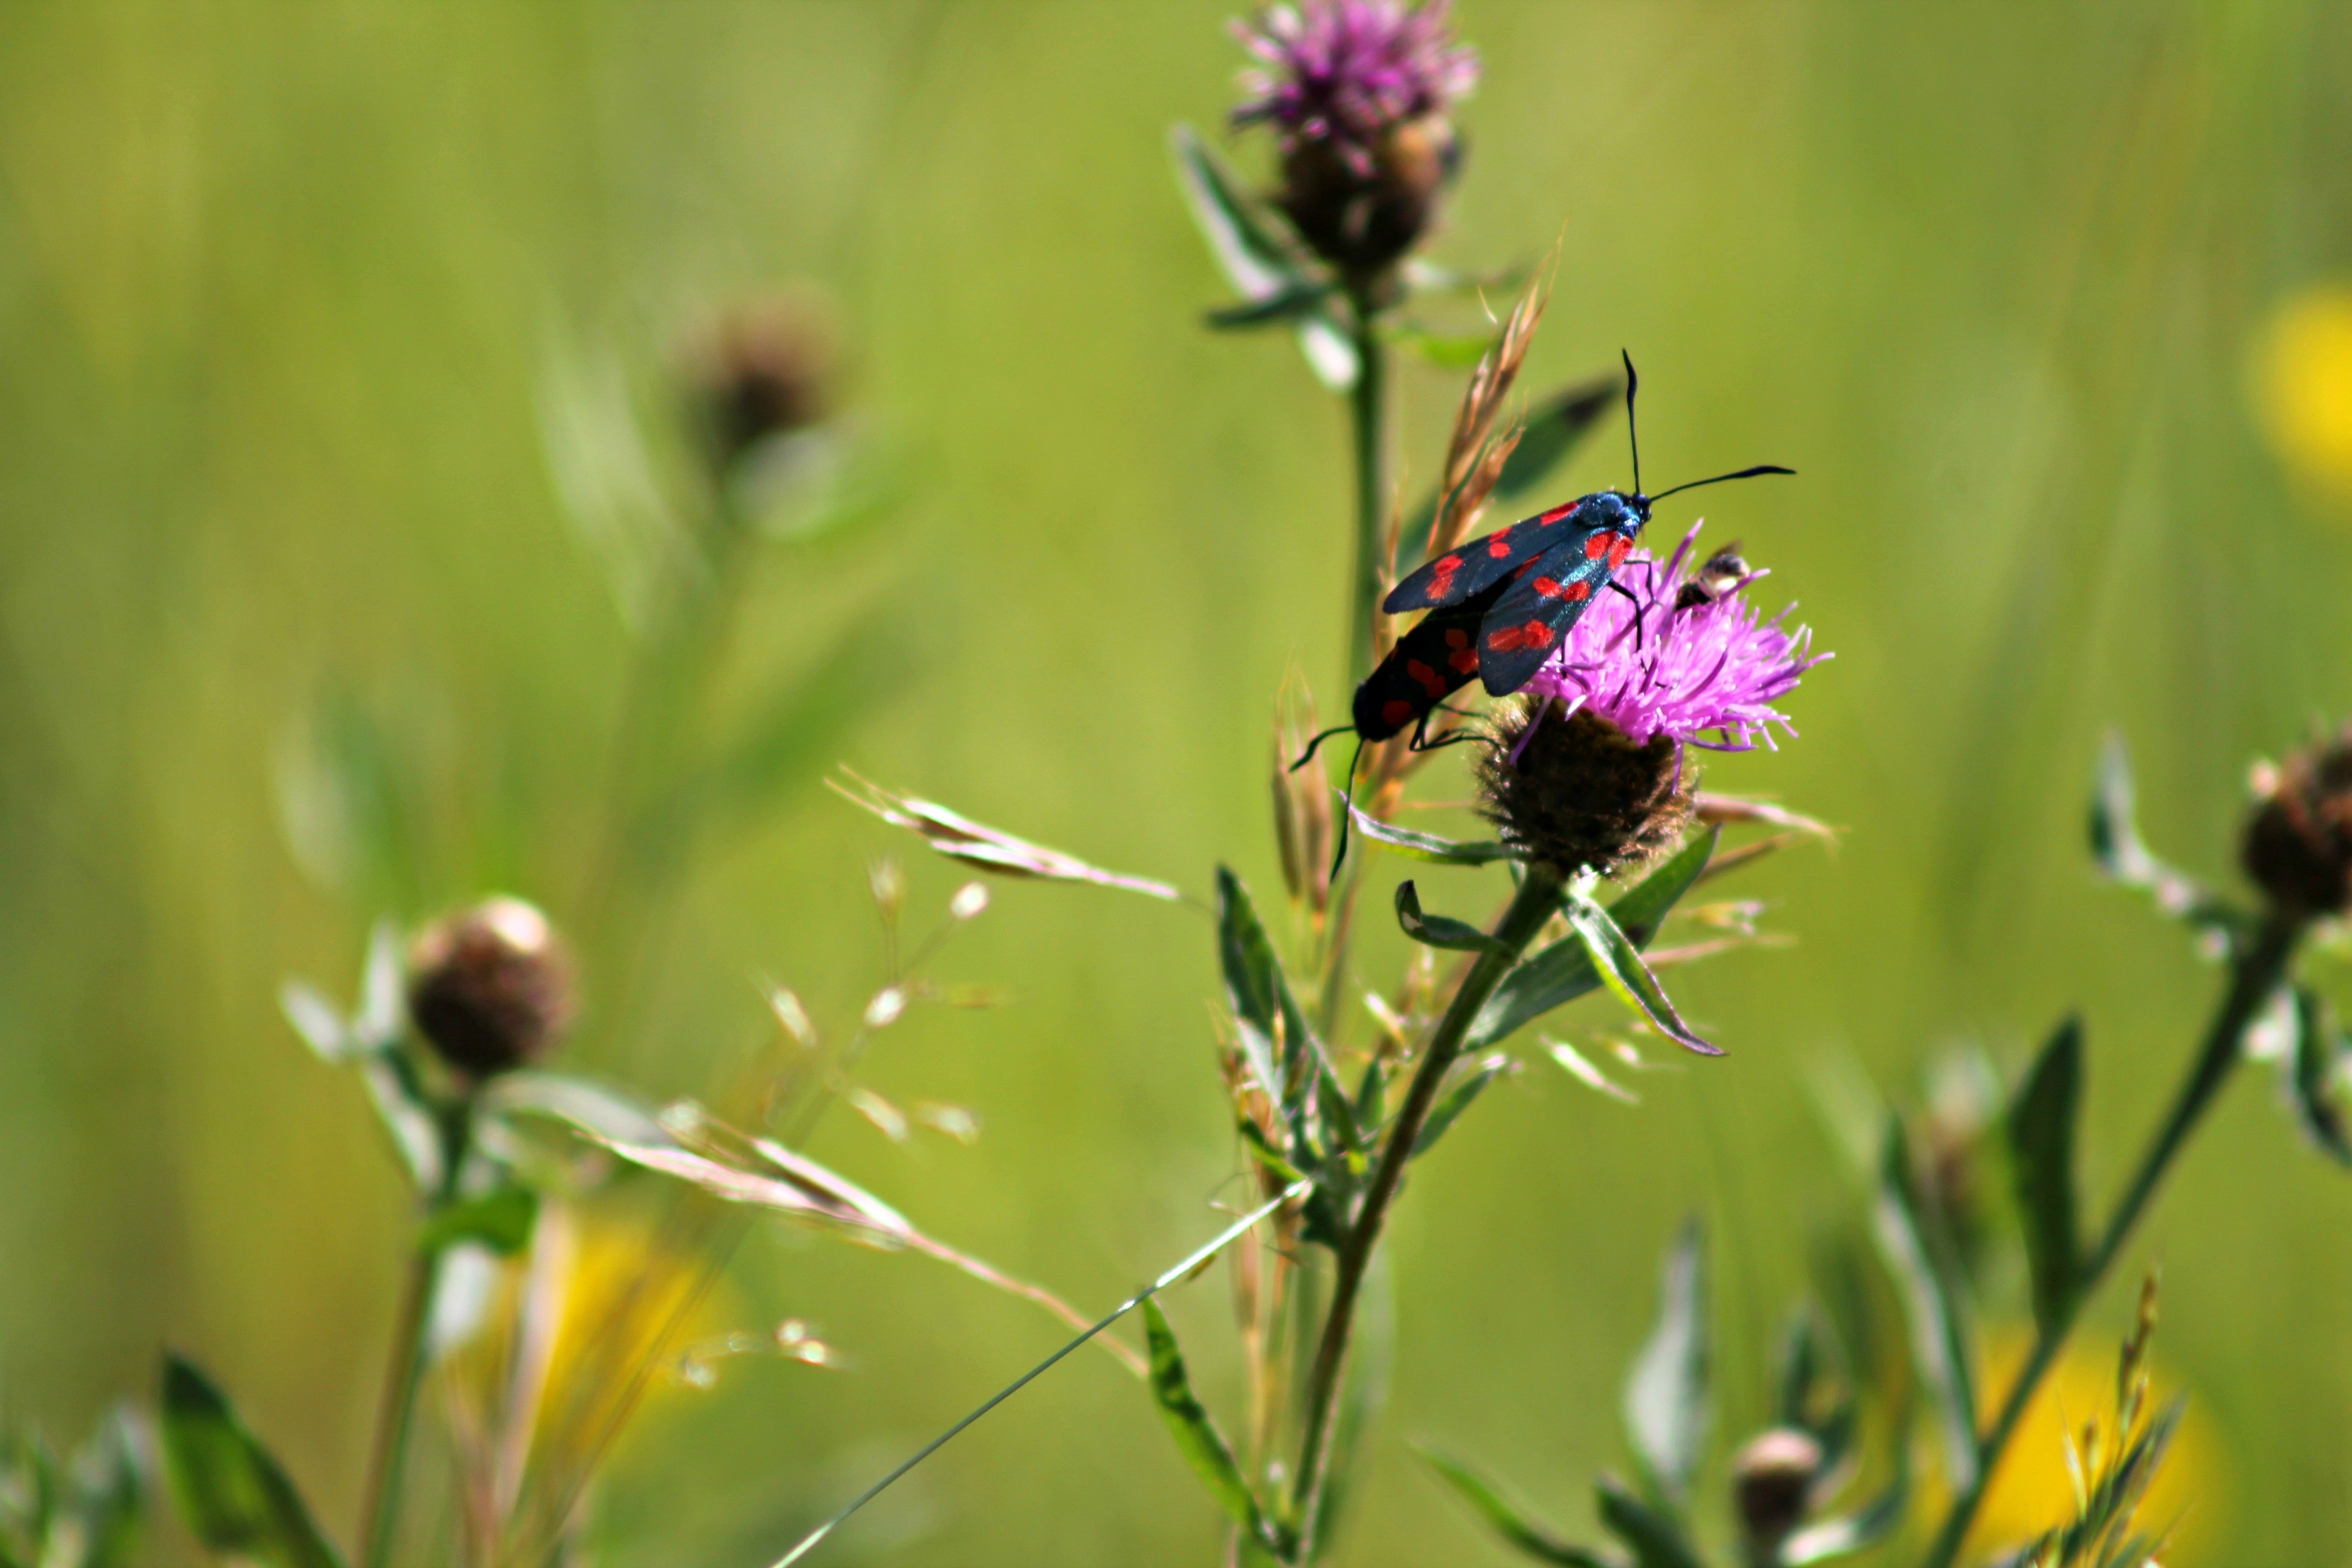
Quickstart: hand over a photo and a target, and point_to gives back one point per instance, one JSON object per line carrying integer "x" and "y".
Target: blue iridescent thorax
{"x": 1615, "y": 510}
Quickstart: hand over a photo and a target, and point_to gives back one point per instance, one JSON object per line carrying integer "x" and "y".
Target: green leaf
{"x": 1563, "y": 972}
{"x": 1551, "y": 433}
{"x": 1456, "y": 1100}
{"x": 1259, "y": 995}
{"x": 1619, "y": 964}
{"x": 586, "y": 1104}
{"x": 110, "y": 1485}
{"x": 1437, "y": 931}
{"x": 1931, "y": 1302}
{"x": 234, "y": 1496}
{"x": 1657, "y": 1540}
{"x": 1197, "y": 1437}
{"x": 499, "y": 1219}
{"x": 1288, "y": 305}
{"x": 1816, "y": 1390}
{"x": 1256, "y": 257}
{"x": 1446, "y": 351}
{"x": 1666, "y": 1392}
{"x": 2124, "y": 855}
{"x": 1511, "y": 1520}
{"x": 2313, "y": 1079}
{"x": 2042, "y": 1120}
{"x": 1428, "y": 846}
{"x": 1644, "y": 907}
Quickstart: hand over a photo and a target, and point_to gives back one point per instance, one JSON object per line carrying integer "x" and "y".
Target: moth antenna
{"x": 1347, "y": 811}
{"x": 1632, "y": 385}
{"x": 1310, "y": 755}
{"x": 1759, "y": 469}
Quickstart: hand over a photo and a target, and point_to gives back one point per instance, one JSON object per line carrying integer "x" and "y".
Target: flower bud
{"x": 490, "y": 987}
{"x": 1361, "y": 219}
{"x": 765, "y": 370}
{"x": 1772, "y": 1486}
{"x": 2298, "y": 844}
{"x": 1578, "y": 794}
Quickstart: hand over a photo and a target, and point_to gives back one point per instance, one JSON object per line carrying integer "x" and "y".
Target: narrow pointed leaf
{"x": 2125, "y": 856}
{"x": 1287, "y": 305}
{"x": 1657, "y": 1542}
{"x": 1260, "y": 996}
{"x": 1619, "y": 964}
{"x": 1511, "y": 1520}
{"x": 1428, "y": 845}
{"x": 1666, "y": 1394}
{"x": 1197, "y": 1437}
{"x": 499, "y": 1219}
{"x": 1437, "y": 931}
{"x": 2042, "y": 1120}
{"x": 234, "y": 1496}
{"x": 1254, "y": 255}
{"x": 2313, "y": 1079}
{"x": 1563, "y": 972}
{"x": 1456, "y": 1100}
{"x": 1931, "y": 1302}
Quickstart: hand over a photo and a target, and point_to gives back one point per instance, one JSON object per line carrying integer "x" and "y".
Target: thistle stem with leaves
{"x": 2257, "y": 969}
{"x": 1367, "y": 409}
{"x": 1536, "y": 900}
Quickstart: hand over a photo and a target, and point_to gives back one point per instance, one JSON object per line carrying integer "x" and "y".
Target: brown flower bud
{"x": 2298, "y": 846}
{"x": 490, "y": 987}
{"x": 1578, "y": 794}
{"x": 1772, "y": 1486}
{"x": 1363, "y": 218}
{"x": 766, "y": 370}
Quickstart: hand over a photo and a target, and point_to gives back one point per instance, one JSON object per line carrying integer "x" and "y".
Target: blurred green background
{"x": 278, "y": 291}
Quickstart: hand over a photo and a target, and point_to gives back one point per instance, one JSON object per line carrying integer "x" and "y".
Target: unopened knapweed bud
{"x": 1356, "y": 92}
{"x": 1578, "y": 794}
{"x": 2298, "y": 846}
{"x": 1772, "y": 1486}
{"x": 490, "y": 987}
{"x": 765, "y": 370}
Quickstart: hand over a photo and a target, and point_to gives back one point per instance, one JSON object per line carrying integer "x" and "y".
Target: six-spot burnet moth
{"x": 1499, "y": 605}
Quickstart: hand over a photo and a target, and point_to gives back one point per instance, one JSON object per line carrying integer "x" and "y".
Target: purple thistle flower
{"x": 1346, "y": 71}
{"x": 1706, "y": 663}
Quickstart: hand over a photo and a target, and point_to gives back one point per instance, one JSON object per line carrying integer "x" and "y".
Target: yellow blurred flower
{"x": 2303, "y": 384}
{"x": 2032, "y": 1490}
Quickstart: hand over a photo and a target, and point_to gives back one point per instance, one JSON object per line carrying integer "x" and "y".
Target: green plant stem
{"x": 1367, "y": 403}
{"x": 2254, "y": 978}
{"x": 1536, "y": 900}
{"x": 380, "y": 1512}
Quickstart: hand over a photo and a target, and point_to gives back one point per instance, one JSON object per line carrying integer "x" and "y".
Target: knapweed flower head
{"x": 1588, "y": 768}
{"x": 1357, "y": 93}
{"x": 1704, "y": 668}
{"x": 490, "y": 987}
{"x": 2298, "y": 846}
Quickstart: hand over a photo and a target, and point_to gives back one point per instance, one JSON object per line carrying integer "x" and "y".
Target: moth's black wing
{"x": 1527, "y": 624}
{"x": 1469, "y": 570}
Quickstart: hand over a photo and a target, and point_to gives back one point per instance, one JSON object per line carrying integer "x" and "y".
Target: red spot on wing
{"x": 1549, "y": 587}
{"x": 1524, "y": 567}
{"x": 1500, "y": 544}
{"x": 1442, "y": 580}
{"x": 1555, "y": 514}
{"x": 1395, "y": 711}
{"x": 1576, "y": 592}
{"x": 1431, "y": 681}
{"x": 1617, "y": 552}
{"x": 1461, "y": 654}
{"x": 1531, "y": 634}
{"x": 1596, "y": 546}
